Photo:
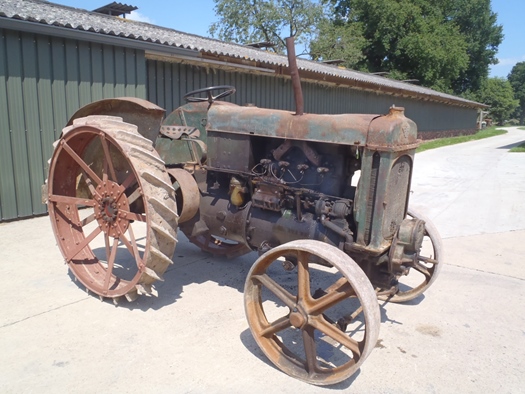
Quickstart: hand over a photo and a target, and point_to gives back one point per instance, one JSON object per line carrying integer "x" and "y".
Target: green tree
{"x": 339, "y": 41}
{"x": 446, "y": 44}
{"x": 498, "y": 93}
{"x": 478, "y": 26}
{"x": 406, "y": 38}
{"x": 517, "y": 81}
{"x": 266, "y": 20}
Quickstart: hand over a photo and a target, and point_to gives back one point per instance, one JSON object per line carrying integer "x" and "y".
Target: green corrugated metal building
{"x": 55, "y": 59}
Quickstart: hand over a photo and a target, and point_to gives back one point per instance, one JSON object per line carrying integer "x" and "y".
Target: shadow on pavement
{"x": 510, "y": 146}
{"x": 250, "y": 344}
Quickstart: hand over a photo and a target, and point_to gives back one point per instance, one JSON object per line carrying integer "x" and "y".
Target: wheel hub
{"x": 111, "y": 203}
{"x": 298, "y": 319}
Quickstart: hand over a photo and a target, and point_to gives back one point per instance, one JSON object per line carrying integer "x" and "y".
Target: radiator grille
{"x": 370, "y": 204}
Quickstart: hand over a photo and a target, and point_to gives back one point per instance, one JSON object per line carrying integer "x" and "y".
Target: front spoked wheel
{"x": 425, "y": 269}
{"x": 315, "y": 323}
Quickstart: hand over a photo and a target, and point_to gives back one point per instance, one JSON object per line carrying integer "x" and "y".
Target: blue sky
{"x": 195, "y": 16}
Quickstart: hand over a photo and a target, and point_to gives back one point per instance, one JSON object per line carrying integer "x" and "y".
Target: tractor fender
{"x": 142, "y": 113}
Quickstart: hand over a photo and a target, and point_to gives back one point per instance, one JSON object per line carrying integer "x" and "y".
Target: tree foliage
{"x": 337, "y": 41}
{"x": 478, "y": 26}
{"x": 498, "y": 93}
{"x": 517, "y": 81}
{"x": 445, "y": 44}
{"x": 266, "y": 20}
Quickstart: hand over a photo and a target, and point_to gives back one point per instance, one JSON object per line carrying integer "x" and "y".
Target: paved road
{"x": 473, "y": 188}
{"x": 465, "y": 335}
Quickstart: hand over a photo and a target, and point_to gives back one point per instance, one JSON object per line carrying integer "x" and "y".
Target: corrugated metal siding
{"x": 43, "y": 81}
{"x": 168, "y": 82}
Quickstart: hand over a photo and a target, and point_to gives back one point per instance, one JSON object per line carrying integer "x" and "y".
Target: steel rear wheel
{"x": 427, "y": 267}
{"x": 112, "y": 207}
{"x": 315, "y": 323}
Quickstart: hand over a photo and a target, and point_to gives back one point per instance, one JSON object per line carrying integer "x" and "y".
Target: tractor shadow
{"x": 193, "y": 266}
{"x": 251, "y": 345}
{"x": 190, "y": 266}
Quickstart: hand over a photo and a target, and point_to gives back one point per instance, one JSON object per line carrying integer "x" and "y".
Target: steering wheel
{"x": 228, "y": 90}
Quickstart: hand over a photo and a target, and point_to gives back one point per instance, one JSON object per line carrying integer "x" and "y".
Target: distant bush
{"x": 512, "y": 122}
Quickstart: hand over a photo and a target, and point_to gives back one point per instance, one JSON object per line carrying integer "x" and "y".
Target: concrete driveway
{"x": 466, "y": 334}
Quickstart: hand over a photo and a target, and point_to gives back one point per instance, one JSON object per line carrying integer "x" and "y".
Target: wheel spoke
{"x": 90, "y": 186}
{"x": 71, "y": 200}
{"x": 278, "y": 325}
{"x": 337, "y": 335}
{"x": 106, "y": 241}
{"x": 71, "y": 254}
{"x": 421, "y": 268}
{"x": 133, "y": 196}
{"x": 303, "y": 277}
{"x": 108, "y": 163}
{"x": 139, "y": 217}
{"x": 428, "y": 260}
{"x": 87, "y": 220}
{"x": 128, "y": 244}
{"x": 111, "y": 263}
{"x": 81, "y": 162}
{"x": 131, "y": 245}
{"x": 338, "y": 292}
{"x": 288, "y": 299}
{"x": 310, "y": 350}
{"x": 129, "y": 180}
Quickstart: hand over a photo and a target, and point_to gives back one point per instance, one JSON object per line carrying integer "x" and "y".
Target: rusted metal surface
{"x": 128, "y": 194}
{"x": 347, "y": 129}
{"x": 187, "y": 193}
{"x": 323, "y": 198}
{"x": 421, "y": 266}
{"x": 294, "y": 73}
{"x": 218, "y": 227}
{"x": 142, "y": 113}
{"x": 177, "y": 132}
{"x": 392, "y": 132}
{"x": 309, "y": 329}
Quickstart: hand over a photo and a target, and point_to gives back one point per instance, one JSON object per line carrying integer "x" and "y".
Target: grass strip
{"x": 520, "y": 148}
{"x": 440, "y": 142}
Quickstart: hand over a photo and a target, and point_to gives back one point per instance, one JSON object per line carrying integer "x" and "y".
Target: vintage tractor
{"x": 323, "y": 199}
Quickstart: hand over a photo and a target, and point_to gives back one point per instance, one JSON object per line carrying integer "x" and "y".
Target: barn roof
{"x": 36, "y": 13}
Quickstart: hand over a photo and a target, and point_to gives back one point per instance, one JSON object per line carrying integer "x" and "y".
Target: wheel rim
{"x": 113, "y": 214}
{"x": 429, "y": 262}
{"x": 320, "y": 336}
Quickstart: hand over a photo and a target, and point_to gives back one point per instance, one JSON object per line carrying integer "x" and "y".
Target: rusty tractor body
{"x": 323, "y": 199}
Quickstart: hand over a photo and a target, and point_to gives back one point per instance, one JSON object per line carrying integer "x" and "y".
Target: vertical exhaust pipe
{"x": 294, "y": 73}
